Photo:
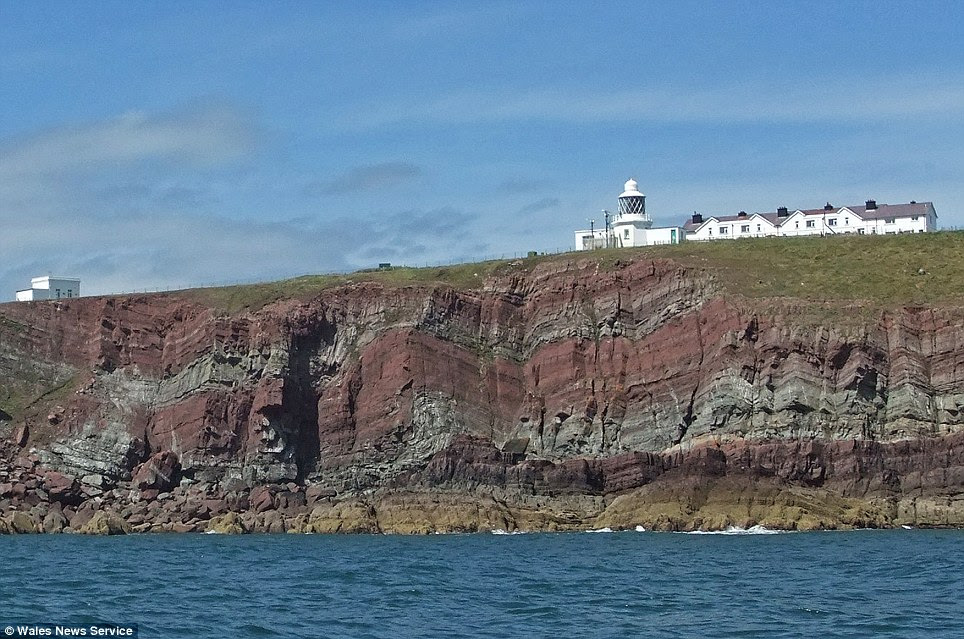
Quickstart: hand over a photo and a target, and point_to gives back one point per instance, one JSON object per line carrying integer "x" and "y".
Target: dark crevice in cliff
{"x": 688, "y": 416}
{"x": 301, "y": 398}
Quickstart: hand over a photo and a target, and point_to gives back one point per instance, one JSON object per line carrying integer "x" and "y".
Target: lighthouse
{"x": 632, "y": 207}
{"x": 632, "y": 204}
{"x": 630, "y": 225}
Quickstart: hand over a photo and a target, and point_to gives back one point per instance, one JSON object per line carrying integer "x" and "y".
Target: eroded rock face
{"x": 567, "y": 388}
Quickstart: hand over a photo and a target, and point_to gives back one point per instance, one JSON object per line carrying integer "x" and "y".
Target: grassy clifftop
{"x": 876, "y": 271}
{"x": 882, "y": 270}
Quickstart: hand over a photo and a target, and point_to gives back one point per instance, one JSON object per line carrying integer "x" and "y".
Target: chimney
{"x": 782, "y": 212}
{"x": 871, "y": 205}
{"x": 697, "y": 218}
{"x": 741, "y": 214}
{"x": 828, "y": 206}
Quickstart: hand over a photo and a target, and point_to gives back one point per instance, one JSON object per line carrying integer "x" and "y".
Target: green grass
{"x": 882, "y": 271}
{"x": 872, "y": 271}
{"x": 232, "y": 299}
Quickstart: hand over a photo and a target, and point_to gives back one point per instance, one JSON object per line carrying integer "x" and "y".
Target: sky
{"x": 156, "y": 145}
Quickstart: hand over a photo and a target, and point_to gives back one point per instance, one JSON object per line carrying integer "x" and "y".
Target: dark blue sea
{"x": 901, "y": 583}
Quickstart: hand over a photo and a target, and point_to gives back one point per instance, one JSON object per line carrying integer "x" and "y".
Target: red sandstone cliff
{"x": 566, "y": 394}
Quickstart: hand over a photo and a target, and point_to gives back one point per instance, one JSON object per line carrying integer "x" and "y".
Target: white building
{"x": 50, "y": 288}
{"x": 630, "y": 226}
{"x": 870, "y": 219}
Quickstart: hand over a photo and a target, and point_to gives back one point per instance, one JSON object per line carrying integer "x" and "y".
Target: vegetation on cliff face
{"x": 879, "y": 271}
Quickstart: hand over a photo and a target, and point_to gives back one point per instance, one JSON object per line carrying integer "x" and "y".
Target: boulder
{"x": 271, "y": 522}
{"x": 54, "y": 522}
{"x": 22, "y": 523}
{"x": 261, "y": 499}
{"x": 318, "y": 492}
{"x": 290, "y": 500}
{"x": 62, "y": 488}
{"x": 229, "y": 524}
{"x": 160, "y": 472}
{"x": 20, "y": 435}
{"x": 215, "y": 506}
{"x": 82, "y": 515}
{"x": 105, "y": 523}
{"x": 187, "y": 527}
{"x": 344, "y": 517}
{"x": 237, "y": 501}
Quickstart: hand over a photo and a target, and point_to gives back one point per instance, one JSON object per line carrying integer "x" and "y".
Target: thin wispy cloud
{"x": 78, "y": 200}
{"x": 863, "y": 100}
{"x": 367, "y": 178}
{"x": 202, "y": 136}
{"x": 540, "y": 205}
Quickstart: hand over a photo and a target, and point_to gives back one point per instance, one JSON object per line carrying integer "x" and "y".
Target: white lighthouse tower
{"x": 633, "y": 203}
{"x": 631, "y": 222}
{"x": 630, "y": 226}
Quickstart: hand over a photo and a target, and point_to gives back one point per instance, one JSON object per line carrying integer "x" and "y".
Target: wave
{"x": 500, "y": 531}
{"x": 607, "y": 529}
{"x": 736, "y": 530}
{"x": 639, "y": 529}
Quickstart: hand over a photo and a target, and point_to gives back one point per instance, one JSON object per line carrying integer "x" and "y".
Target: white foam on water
{"x": 601, "y": 530}
{"x": 906, "y": 527}
{"x": 211, "y": 532}
{"x": 499, "y": 531}
{"x": 640, "y": 529}
{"x": 736, "y": 530}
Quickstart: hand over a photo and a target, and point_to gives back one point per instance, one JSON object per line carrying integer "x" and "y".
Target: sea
{"x": 864, "y": 583}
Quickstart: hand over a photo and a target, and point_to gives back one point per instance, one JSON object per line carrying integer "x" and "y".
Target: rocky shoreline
{"x": 701, "y": 489}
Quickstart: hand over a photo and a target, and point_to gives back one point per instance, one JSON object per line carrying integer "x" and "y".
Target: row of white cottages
{"x": 631, "y": 225}
{"x": 869, "y": 219}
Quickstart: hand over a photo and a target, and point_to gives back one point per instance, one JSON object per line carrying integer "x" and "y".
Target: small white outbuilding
{"x": 49, "y": 287}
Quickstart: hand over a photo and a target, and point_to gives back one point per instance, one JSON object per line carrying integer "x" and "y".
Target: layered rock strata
{"x": 562, "y": 395}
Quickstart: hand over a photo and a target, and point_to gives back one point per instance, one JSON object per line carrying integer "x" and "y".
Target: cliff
{"x": 579, "y": 391}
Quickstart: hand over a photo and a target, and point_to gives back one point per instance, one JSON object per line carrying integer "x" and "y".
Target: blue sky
{"x": 169, "y": 144}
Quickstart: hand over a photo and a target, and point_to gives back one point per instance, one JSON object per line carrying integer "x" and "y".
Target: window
{"x": 796, "y": 224}
{"x": 860, "y": 231}
{"x": 757, "y": 228}
{"x": 846, "y": 221}
{"x": 745, "y": 228}
{"x": 58, "y": 293}
{"x": 809, "y": 224}
{"x": 889, "y": 220}
{"x": 722, "y": 230}
{"x": 70, "y": 293}
{"x": 626, "y": 234}
{"x": 832, "y": 222}
{"x": 914, "y": 218}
